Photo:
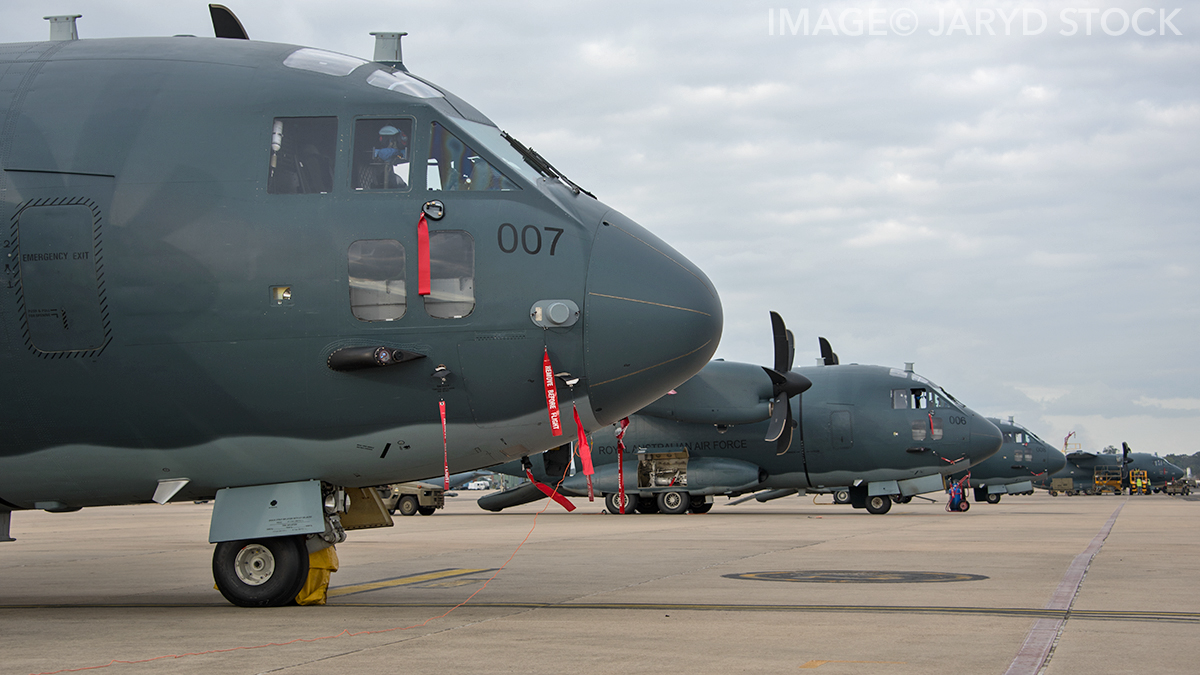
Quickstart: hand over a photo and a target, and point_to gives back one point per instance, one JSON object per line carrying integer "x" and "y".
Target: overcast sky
{"x": 1016, "y": 213}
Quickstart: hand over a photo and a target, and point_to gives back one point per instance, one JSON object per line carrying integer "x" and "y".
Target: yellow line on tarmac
{"x": 401, "y": 581}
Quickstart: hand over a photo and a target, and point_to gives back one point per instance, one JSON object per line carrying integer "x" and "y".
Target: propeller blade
{"x": 1124, "y": 453}
{"x": 226, "y": 24}
{"x": 827, "y": 354}
{"x": 779, "y": 332}
{"x": 785, "y": 440}
{"x": 780, "y": 412}
{"x": 785, "y": 384}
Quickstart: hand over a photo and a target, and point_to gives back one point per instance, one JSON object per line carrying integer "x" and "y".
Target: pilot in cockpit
{"x": 387, "y": 168}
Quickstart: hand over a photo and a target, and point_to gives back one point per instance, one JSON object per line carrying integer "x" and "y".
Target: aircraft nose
{"x": 1055, "y": 461}
{"x": 651, "y": 319}
{"x": 985, "y": 439}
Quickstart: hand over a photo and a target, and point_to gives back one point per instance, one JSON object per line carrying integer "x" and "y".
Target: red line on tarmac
{"x": 1035, "y": 652}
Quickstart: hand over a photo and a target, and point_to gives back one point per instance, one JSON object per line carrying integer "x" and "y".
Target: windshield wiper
{"x": 539, "y": 163}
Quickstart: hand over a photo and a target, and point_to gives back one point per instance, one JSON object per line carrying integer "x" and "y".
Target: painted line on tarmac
{"x": 817, "y": 663}
{"x": 337, "y": 591}
{"x": 1020, "y": 612}
{"x": 1192, "y": 618}
{"x": 1039, "y": 644}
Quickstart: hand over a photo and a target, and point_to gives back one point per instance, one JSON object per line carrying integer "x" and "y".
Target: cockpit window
{"x": 321, "y": 61}
{"x": 920, "y": 399}
{"x": 493, "y": 140}
{"x": 941, "y": 400}
{"x": 403, "y": 83}
{"x": 382, "y": 154}
{"x": 377, "y": 291}
{"x": 302, "y": 153}
{"x": 451, "y": 274}
{"x": 454, "y": 165}
{"x": 913, "y": 399}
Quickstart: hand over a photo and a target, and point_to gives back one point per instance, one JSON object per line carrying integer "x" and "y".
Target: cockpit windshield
{"x": 490, "y": 139}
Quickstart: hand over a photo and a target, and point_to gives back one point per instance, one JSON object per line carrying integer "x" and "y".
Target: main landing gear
{"x": 879, "y": 504}
{"x": 673, "y": 502}
{"x": 265, "y": 572}
{"x": 259, "y": 566}
{"x": 664, "y": 502}
{"x": 611, "y": 504}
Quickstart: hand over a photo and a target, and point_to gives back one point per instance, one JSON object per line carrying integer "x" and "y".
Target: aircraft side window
{"x": 454, "y": 165}
{"x": 899, "y": 399}
{"x": 382, "y": 154}
{"x": 451, "y": 274}
{"x": 920, "y": 399}
{"x": 377, "y": 290}
{"x": 1010, "y": 437}
{"x": 936, "y": 429}
{"x": 919, "y": 430}
{"x": 302, "y": 154}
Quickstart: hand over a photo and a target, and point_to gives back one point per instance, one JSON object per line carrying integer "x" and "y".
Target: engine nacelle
{"x": 722, "y": 393}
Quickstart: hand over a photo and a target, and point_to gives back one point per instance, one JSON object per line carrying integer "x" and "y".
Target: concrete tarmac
{"x": 589, "y": 591}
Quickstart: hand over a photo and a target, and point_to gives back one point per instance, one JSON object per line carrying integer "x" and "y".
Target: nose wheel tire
{"x": 993, "y": 498}
{"x": 261, "y": 572}
{"x": 673, "y": 502}
{"x": 879, "y": 504}
{"x": 699, "y": 505}
{"x": 841, "y": 497}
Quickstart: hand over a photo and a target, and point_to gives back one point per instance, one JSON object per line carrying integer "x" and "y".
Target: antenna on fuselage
{"x": 387, "y": 50}
{"x": 62, "y": 27}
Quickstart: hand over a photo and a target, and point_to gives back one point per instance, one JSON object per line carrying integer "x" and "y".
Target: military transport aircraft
{"x": 274, "y": 275}
{"x": 1022, "y": 458}
{"x": 729, "y": 430}
{"x": 1081, "y": 469}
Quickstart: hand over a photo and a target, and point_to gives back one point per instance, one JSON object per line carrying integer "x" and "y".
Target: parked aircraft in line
{"x": 729, "y": 430}
{"x": 1081, "y": 469}
{"x": 274, "y": 275}
{"x": 1022, "y": 458}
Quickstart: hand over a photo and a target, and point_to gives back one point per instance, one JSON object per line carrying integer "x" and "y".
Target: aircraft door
{"x": 841, "y": 429}
{"x": 55, "y": 265}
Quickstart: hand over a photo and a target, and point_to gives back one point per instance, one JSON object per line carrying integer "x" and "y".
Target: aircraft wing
{"x": 1080, "y": 456}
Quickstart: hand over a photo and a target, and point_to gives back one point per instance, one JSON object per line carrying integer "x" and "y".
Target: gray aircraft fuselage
{"x": 194, "y": 227}
{"x": 856, "y": 430}
{"x": 1022, "y": 459}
